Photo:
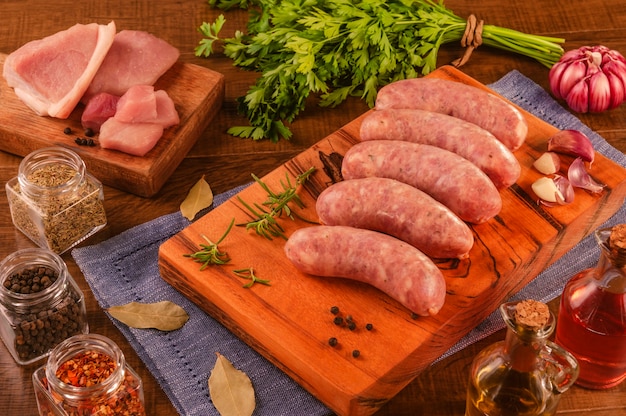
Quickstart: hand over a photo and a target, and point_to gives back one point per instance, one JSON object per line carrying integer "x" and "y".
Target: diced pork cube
{"x": 141, "y": 116}
{"x": 142, "y": 104}
{"x": 99, "y": 109}
{"x": 133, "y": 138}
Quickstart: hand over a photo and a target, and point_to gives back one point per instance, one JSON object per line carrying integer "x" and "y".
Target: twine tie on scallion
{"x": 472, "y": 39}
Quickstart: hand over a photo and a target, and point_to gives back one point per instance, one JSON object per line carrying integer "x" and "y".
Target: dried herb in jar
{"x": 54, "y": 201}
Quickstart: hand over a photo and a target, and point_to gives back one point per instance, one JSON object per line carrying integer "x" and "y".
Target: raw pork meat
{"x": 142, "y": 104}
{"x": 135, "y": 58}
{"x": 141, "y": 116}
{"x": 133, "y": 138}
{"x": 50, "y": 75}
{"x": 98, "y": 110}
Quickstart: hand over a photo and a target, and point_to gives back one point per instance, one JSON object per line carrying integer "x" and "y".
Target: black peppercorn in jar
{"x": 54, "y": 201}
{"x": 88, "y": 375}
{"x": 40, "y": 304}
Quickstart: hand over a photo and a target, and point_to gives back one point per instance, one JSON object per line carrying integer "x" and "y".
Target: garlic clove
{"x": 572, "y": 142}
{"x": 565, "y": 188}
{"x": 553, "y": 191}
{"x": 548, "y": 163}
{"x": 599, "y": 92}
{"x": 616, "y": 85}
{"x": 545, "y": 188}
{"x": 568, "y": 76}
{"x": 577, "y": 97}
{"x": 580, "y": 178}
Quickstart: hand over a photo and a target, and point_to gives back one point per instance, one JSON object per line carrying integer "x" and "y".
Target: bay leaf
{"x": 231, "y": 389}
{"x": 163, "y": 315}
{"x": 200, "y": 196}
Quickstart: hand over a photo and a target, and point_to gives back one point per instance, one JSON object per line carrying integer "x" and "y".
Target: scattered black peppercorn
{"x": 338, "y": 320}
{"x": 414, "y": 315}
{"x": 89, "y": 132}
{"x": 332, "y": 341}
{"x": 351, "y": 326}
{"x": 81, "y": 141}
{"x": 67, "y": 130}
{"x": 356, "y": 353}
{"x": 369, "y": 327}
{"x": 334, "y": 310}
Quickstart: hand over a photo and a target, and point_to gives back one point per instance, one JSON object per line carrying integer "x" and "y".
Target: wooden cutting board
{"x": 197, "y": 92}
{"x": 290, "y": 322}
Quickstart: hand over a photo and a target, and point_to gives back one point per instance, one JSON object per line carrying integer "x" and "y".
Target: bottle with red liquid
{"x": 592, "y": 315}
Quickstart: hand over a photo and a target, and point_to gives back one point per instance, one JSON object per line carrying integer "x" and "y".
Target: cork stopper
{"x": 531, "y": 314}
{"x": 617, "y": 244}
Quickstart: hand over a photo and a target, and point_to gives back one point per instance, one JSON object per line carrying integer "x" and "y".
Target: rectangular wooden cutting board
{"x": 197, "y": 93}
{"x": 290, "y": 322}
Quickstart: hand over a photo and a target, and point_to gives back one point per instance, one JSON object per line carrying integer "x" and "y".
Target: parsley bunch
{"x": 341, "y": 48}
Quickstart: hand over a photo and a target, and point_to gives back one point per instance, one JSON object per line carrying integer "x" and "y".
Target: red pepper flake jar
{"x": 40, "y": 304}
{"x": 88, "y": 375}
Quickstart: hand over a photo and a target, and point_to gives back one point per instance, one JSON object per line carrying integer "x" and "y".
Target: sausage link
{"x": 458, "y": 100}
{"x": 397, "y": 209}
{"x": 450, "y": 179}
{"x": 396, "y": 268}
{"x": 459, "y": 136}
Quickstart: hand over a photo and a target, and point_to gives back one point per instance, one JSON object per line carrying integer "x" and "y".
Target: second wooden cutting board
{"x": 197, "y": 93}
{"x": 290, "y": 322}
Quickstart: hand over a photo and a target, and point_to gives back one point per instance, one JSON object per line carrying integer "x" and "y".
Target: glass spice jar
{"x": 592, "y": 314}
{"x": 525, "y": 374}
{"x": 40, "y": 304}
{"x": 88, "y": 375}
{"x": 54, "y": 201}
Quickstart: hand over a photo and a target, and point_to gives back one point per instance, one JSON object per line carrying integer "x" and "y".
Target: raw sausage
{"x": 450, "y": 179}
{"x": 397, "y": 209}
{"x": 391, "y": 265}
{"x": 459, "y": 136}
{"x": 459, "y": 100}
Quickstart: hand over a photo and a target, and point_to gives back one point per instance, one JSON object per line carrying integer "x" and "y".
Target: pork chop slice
{"x": 50, "y": 75}
{"x": 135, "y": 58}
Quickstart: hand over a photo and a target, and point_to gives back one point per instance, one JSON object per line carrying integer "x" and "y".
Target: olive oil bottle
{"x": 525, "y": 374}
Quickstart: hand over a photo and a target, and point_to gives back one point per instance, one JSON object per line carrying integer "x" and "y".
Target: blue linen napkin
{"x": 124, "y": 269}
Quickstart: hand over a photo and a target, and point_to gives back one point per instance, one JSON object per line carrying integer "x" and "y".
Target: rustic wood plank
{"x": 290, "y": 323}
{"x": 197, "y": 92}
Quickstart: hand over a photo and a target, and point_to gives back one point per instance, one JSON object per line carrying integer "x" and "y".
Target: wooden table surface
{"x": 226, "y": 161}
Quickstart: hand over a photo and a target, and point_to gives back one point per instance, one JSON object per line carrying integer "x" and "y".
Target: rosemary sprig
{"x": 210, "y": 253}
{"x": 249, "y": 274}
{"x": 266, "y": 214}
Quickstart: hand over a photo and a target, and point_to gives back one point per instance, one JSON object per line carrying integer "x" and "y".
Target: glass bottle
{"x": 54, "y": 201}
{"x": 592, "y": 315}
{"x": 88, "y": 375}
{"x": 40, "y": 304}
{"x": 526, "y": 373}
